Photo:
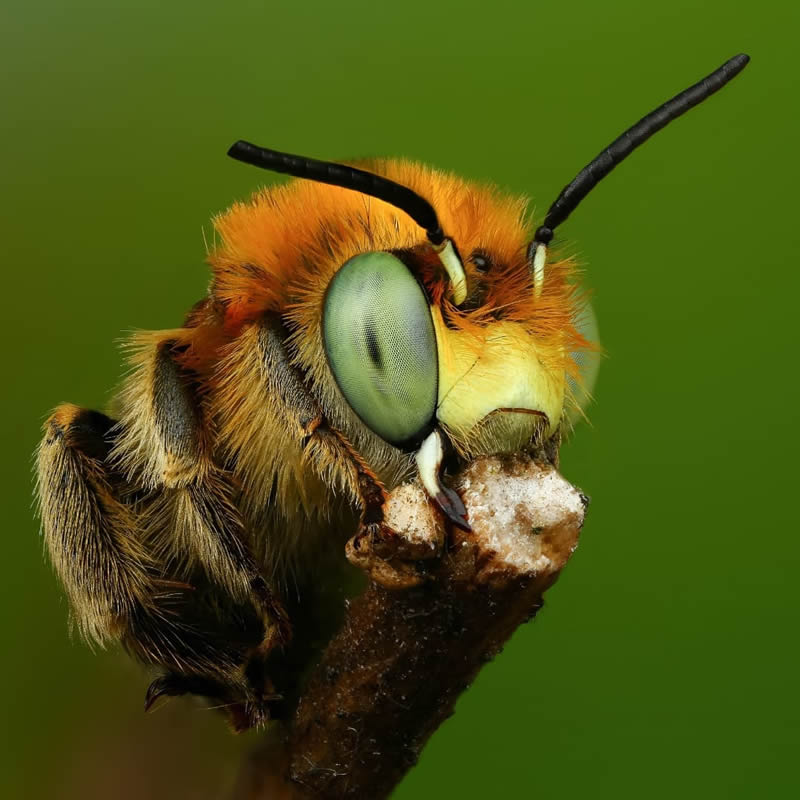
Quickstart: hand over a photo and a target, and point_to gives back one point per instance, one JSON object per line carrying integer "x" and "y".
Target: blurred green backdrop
{"x": 665, "y": 661}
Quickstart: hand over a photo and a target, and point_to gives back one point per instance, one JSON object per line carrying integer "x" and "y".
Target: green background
{"x": 665, "y": 661}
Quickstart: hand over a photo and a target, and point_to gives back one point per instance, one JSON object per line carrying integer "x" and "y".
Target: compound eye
{"x": 381, "y": 347}
{"x": 588, "y": 362}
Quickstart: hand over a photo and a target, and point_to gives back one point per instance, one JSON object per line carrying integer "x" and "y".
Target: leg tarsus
{"x": 242, "y": 715}
{"x": 281, "y": 633}
{"x": 370, "y": 492}
{"x": 376, "y": 547}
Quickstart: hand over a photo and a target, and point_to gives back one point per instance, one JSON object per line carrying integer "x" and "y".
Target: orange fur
{"x": 280, "y": 250}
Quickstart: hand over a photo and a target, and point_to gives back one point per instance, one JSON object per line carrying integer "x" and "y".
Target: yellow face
{"x": 405, "y": 367}
{"x": 501, "y": 398}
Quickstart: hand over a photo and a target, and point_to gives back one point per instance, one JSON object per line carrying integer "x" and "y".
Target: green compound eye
{"x": 588, "y": 362}
{"x": 381, "y": 346}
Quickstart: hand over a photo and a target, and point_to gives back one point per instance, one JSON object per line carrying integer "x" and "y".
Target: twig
{"x": 417, "y": 637}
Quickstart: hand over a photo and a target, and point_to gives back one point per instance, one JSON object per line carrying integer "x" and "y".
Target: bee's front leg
{"x": 165, "y": 444}
{"x": 388, "y": 555}
{"x": 275, "y": 431}
{"x": 324, "y": 443}
{"x": 265, "y": 407}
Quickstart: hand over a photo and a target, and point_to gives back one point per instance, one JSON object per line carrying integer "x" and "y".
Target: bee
{"x": 365, "y": 325}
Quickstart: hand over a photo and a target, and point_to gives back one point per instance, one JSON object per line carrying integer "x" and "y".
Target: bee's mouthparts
{"x": 429, "y": 462}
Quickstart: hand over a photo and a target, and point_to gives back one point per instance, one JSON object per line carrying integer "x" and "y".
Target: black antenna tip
{"x": 572, "y": 194}
{"x": 733, "y": 66}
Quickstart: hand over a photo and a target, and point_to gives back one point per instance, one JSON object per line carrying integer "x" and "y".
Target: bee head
{"x": 482, "y": 356}
{"x": 435, "y": 307}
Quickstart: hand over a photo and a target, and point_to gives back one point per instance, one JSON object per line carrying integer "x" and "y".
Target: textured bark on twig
{"x": 419, "y": 634}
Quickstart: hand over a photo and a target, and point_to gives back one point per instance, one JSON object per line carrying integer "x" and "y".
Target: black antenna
{"x": 419, "y": 209}
{"x": 623, "y": 146}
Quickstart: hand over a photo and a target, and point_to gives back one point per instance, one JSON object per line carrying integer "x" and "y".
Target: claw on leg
{"x": 172, "y": 685}
{"x": 158, "y": 690}
{"x": 242, "y": 714}
{"x": 429, "y": 462}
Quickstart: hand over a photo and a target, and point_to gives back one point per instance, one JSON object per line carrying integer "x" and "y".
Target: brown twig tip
{"x": 437, "y": 609}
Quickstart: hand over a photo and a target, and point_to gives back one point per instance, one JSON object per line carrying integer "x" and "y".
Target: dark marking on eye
{"x": 373, "y": 348}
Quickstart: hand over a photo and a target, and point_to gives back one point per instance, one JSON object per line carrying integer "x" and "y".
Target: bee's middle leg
{"x": 165, "y": 442}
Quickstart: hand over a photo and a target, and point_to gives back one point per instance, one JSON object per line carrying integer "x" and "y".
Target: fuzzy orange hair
{"x": 281, "y": 248}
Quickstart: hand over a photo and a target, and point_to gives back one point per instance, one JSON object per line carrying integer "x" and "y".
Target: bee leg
{"x": 376, "y": 547}
{"x": 369, "y": 492}
{"x": 165, "y": 444}
{"x": 89, "y": 533}
{"x": 91, "y": 529}
{"x": 240, "y": 714}
{"x": 91, "y": 525}
{"x": 325, "y": 450}
{"x": 258, "y": 382}
{"x": 172, "y": 684}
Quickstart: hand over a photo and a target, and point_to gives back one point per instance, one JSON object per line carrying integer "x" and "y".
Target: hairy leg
{"x": 274, "y": 431}
{"x": 166, "y": 443}
{"x": 119, "y": 591}
{"x": 89, "y": 533}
